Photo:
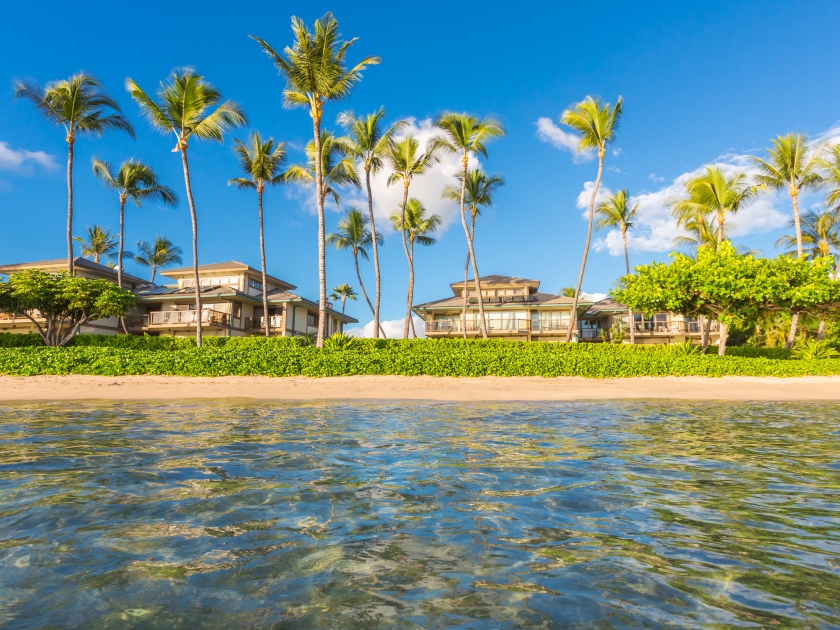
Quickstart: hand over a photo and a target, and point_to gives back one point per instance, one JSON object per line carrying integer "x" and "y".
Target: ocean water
{"x": 578, "y": 515}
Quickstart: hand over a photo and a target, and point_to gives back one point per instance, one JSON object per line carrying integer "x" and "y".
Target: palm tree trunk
{"x": 195, "y": 246}
{"x": 343, "y": 302}
{"x": 719, "y": 232}
{"x": 794, "y": 319}
{"x": 631, "y": 322}
{"x": 573, "y": 317}
{"x": 266, "y": 320}
{"x": 408, "y": 258}
{"x": 409, "y": 320}
{"x": 705, "y": 328}
{"x": 364, "y": 293}
{"x": 154, "y": 271}
{"x": 483, "y": 325}
{"x": 376, "y": 325}
{"x": 821, "y": 330}
{"x": 70, "y": 142}
{"x": 322, "y": 249}
{"x": 723, "y": 332}
{"x": 464, "y": 308}
{"x": 120, "y": 254}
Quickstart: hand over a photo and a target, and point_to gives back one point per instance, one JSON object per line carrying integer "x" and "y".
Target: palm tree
{"x": 614, "y": 212}
{"x": 791, "y": 163}
{"x": 705, "y": 233}
{"x": 343, "y": 292}
{"x": 158, "y": 255}
{"x": 315, "y": 69}
{"x": 830, "y": 166}
{"x": 407, "y": 162}
{"x": 367, "y": 143}
{"x": 184, "y": 107}
{"x": 135, "y": 181}
{"x": 719, "y": 195}
{"x": 100, "y": 243}
{"x": 567, "y": 292}
{"x": 820, "y": 236}
{"x": 261, "y": 162}
{"x": 336, "y": 168}
{"x": 596, "y": 123}
{"x": 479, "y": 191}
{"x": 353, "y": 234}
{"x": 79, "y": 105}
{"x": 411, "y": 221}
{"x": 464, "y": 134}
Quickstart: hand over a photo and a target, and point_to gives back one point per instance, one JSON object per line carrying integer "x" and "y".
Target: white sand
{"x": 490, "y": 388}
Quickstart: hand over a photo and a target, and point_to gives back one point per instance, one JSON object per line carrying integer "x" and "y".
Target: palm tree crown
{"x": 417, "y": 225}
{"x": 158, "y": 255}
{"x": 366, "y": 140}
{"x": 353, "y": 233}
{"x": 337, "y": 167}
{"x": 478, "y": 191}
{"x": 616, "y": 212}
{"x": 100, "y": 243}
{"x": 343, "y": 292}
{"x": 464, "y": 134}
{"x": 261, "y": 161}
{"x": 134, "y": 180}
{"x": 595, "y": 122}
{"x": 820, "y": 234}
{"x": 407, "y": 161}
{"x": 830, "y": 165}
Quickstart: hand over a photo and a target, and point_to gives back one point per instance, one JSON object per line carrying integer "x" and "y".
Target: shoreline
{"x": 418, "y": 388}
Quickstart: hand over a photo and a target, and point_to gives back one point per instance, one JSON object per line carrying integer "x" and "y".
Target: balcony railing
{"x": 174, "y": 318}
{"x": 664, "y": 328}
{"x": 258, "y": 323}
{"x": 494, "y": 326}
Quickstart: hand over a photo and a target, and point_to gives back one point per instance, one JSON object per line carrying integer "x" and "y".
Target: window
{"x": 188, "y": 282}
{"x": 312, "y": 319}
{"x": 237, "y": 309}
{"x": 254, "y": 284}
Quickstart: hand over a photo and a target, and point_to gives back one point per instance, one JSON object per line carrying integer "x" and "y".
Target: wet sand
{"x": 484, "y": 389}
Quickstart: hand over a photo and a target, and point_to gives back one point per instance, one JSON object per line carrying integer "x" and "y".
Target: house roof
{"x": 175, "y": 292}
{"x": 230, "y": 265}
{"x": 604, "y": 306}
{"x": 278, "y": 296}
{"x": 497, "y": 279}
{"x": 78, "y": 262}
{"x": 535, "y": 299}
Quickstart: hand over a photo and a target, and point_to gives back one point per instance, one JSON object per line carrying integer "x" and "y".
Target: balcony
{"x": 258, "y": 323}
{"x": 671, "y": 328}
{"x": 177, "y": 318}
{"x": 494, "y": 326}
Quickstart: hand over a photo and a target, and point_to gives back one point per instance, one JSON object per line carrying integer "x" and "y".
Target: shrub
{"x": 14, "y": 340}
{"x": 684, "y": 348}
{"x": 340, "y": 341}
{"x": 758, "y": 353}
{"x": 813, "y": 350}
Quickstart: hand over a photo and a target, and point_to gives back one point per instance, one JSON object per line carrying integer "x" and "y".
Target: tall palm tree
{"x": 315, "y": 69}
{"x": 596, "y": 123}
{"x": 158, "y": 255}
{"x": 720, "y": 195}
{"x": 354, "y": 234}
{"x": 136, "y": 181}
{"x": 189, "y": 107}
{"x": 464, "y": 134}
{"x": 260, "y": 160}
{"x": 791, "y": 163}
{"x": 343, "y": 292}
{"x": 336, "y": 168}
{"x": 406, "y": 162}
{"x": 414, "y": 226}
{"x": 479, "y": 190}
{"x": 612, "y": 213}
{"x": 80, "y": 106}
{"x": 367, "y": 143}
{"x": 100, "y": 243}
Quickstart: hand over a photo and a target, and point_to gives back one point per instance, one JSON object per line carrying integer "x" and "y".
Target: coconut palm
{"x": 830, "y": 167}
{"x": 479, "y": 190}
{"x": 720, "y": 194}
{"x": 464, "y": 134}
{"x": 189, "y": 107}
{"x": 100, "y": 243}
{"x": 336, "y": 168}
{"x": 368, "y": 143}
{"x": 616, "y": 213}
{"x": 136, "y": 181}
{"x": 260, "y": 160}
{"x": 406, "y": 162}
{"x": 567, "y": 292}
{"x": 343, "y": 292}
{"x": 80, "y": 106}
{"x": 703, "y": 229}
{"x": 161, "y": 254}
{"x": 596, "y": 123}
{"x": 793, "y": 164}
{"x": 315, "y": 69}
{"x": 354, "y": 234}
{"x": 414, "y": 226}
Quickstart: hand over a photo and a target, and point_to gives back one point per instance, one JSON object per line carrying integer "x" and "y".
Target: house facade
{"x": 231, "y": 295}
{"x": 514, "y": 308}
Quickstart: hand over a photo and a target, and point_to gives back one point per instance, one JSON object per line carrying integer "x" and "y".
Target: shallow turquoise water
{"x": 585, "y": 515}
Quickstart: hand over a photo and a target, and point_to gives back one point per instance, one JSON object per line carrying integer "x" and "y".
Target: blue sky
{"x": 702, "y": 83}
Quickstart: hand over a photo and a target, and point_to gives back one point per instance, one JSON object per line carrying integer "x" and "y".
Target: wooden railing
{"x": 170, "y": 318}
{"x": 258, "y": 323}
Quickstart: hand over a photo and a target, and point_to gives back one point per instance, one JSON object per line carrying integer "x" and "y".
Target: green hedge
{"x": 446, "y": 357}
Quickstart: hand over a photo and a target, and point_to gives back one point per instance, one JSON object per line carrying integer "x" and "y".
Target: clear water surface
{"x": 584, "y": 515}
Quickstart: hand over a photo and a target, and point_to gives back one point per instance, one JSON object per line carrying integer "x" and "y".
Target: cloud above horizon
{"x": 547, "y": 131}
{"x": 21, "y": 160}
{"x": 393, "y": 328}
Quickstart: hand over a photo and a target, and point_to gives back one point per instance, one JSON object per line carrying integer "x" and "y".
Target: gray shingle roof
{"x": 165, "y": 292}
{"x": 537, "y": 299}
{"x": 78, "y": 262}
{"x": 233, "y": 265}
{"x": 606, "y": 305}
{"x": 497, "y": 279}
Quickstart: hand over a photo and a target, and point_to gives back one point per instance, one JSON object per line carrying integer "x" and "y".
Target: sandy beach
{"x": 485, "y": 389}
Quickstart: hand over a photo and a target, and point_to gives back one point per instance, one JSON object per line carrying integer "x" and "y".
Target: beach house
{"x": 231, "y": 295}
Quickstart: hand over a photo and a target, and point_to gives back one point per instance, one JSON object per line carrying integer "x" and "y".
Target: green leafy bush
{"x": 813, "y": 350}
{"x": 685, "y": 348}
{"x": 442, "y": 357}
{"x": 758, "y": 353}
{"x": 14, "y": 340}
{"x": 340, "y": 341}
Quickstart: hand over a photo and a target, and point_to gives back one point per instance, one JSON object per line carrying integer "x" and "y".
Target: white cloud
{"x": 655, "y": 178}
{"x": 20, "y": 159}
{"x": 656, "y": 228}
{"x": 547, "y": 131}
{"x": 593, "y": 297}
{"x": 616, "y": 152}
{"x": 585, "y": 197}
{"x": 393, "y": 328}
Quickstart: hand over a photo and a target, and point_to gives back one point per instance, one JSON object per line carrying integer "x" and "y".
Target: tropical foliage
{"x": 343, "y": 292}
{"x": 161, "y": 254}
{"x": 99, "y": 243}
